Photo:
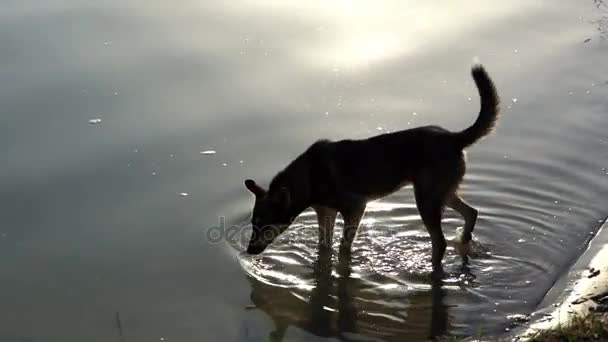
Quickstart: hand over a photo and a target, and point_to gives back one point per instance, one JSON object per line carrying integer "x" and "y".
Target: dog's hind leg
{"x": 430, "y": 197}
{"x": 326, "y": 218}
{"x": 469, "y": 213}
{"x": 352, "y": 218}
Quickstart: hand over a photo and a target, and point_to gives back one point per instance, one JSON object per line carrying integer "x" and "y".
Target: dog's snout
{"x": 254, "y": 249}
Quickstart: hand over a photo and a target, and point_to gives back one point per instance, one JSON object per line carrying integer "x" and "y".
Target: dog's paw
{"x": 471, "y": 249}
{"x": 438, "y": 274}
{"x": 464, "y": 249}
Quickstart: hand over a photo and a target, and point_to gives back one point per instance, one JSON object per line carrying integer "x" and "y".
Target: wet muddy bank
{"x": 581, "y": 292}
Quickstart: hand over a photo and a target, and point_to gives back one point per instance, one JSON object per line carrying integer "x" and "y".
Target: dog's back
{"x": 379, "y": 165}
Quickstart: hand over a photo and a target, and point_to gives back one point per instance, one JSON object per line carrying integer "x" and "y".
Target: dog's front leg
{"x": 326, "y": 217}
{"x": 352, "y": 219}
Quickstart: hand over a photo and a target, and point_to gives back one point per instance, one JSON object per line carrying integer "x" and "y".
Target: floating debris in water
{"x": 108, "y": 43}
{"x": 516, "y": 51}
{"x": 208, "y": 152}
{"x": 518, "y": 318}
{"x": 183, "y": 194}
{"x": 379, "y": 128}
{"x": 593, "y": 273}
{"x": 241, "y": 162}
{"x": 414, "y": 113}
{"x": 224, "y": 164}
{"x": 135, "y": 150}
{"x": 171, "y": 155}
{"x": 588, "y": 92}
{"x": 95, "y": 121}
{"x": 571, "y": 93}
{"x": 153, "y": 173}
{"x": 514, "y": 99}
{"x": 587, "y": 40}
{"x": 326, "y": 113}
{"x": 521, "y": 240}
{"x": 528, "y": 282}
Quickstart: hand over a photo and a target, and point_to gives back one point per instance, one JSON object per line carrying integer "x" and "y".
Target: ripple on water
{"x": 385, "y": 281}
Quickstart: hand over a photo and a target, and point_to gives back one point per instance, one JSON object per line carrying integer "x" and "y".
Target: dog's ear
{"x": 254, "y": 188}
{"x": 281, "y": 198}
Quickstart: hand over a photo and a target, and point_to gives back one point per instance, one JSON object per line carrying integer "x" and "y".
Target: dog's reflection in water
{"x": 349, "y": 308}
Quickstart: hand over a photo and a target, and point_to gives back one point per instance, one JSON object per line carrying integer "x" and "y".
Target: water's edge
{"x": 572, "y": 294}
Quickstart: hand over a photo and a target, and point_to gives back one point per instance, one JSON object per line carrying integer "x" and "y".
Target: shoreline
{"x": 579, "y": 296}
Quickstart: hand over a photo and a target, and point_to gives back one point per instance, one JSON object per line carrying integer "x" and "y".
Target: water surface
{"x": 113, "y": 216}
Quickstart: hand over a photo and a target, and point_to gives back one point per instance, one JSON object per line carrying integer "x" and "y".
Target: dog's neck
{"x": 296, "y": 179}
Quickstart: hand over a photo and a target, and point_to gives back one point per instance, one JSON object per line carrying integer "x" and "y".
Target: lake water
{"x": 105, "y": 224}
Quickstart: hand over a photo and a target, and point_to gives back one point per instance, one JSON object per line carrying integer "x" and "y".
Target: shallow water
{"x": 115, "y": 215}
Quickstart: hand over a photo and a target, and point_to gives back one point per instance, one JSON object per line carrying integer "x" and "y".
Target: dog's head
{"x": 270, "y": 216}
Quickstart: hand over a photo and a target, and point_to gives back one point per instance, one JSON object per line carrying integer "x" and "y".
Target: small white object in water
{"x": 183, "y": 194}
{"x": 240, "y": 162}
{"x": 153, "y": 173}
{"x": 516, "y": 51}
{"x": 379, "y": 128}
{"x": 224, "y": 164}
{"x": 208, "y": 152}
{"x": 95, "y": 121}
{"x": 514, "y": 100}
{"x": 571, "y": 93}
{"x": 588, "y": 92}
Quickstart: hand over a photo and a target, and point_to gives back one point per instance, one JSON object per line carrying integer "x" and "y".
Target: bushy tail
{"x": 489, "y": 109}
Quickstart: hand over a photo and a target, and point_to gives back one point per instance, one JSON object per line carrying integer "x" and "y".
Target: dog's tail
{"x": 489, "y": 109}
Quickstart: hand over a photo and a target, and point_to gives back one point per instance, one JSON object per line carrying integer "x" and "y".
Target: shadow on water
{"x": 340, "y": 304}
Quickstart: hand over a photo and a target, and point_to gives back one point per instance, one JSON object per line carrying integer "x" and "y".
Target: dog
{"x": 343, "y": 176}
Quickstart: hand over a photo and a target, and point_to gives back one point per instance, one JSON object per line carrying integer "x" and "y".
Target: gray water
{"x": 93, "y": 221}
